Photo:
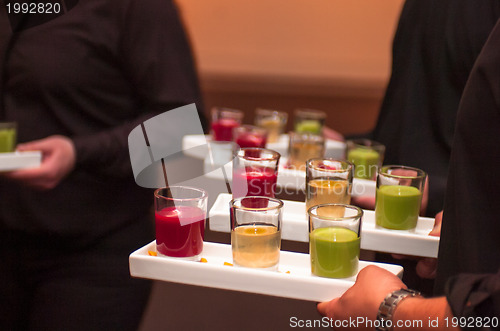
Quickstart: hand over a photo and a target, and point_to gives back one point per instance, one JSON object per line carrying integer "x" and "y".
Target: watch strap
{"x": 388, "y": 306}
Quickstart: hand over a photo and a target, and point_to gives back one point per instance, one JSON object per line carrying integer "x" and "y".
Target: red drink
{"x": 180, "y": 231}
{"x": 251, "y": 140}
{"x": 254, "y": 181}
{"x": 222, "y": 129}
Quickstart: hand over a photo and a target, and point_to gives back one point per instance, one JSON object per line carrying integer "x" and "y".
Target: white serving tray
{"x": 296, "y": 180}
{"x": 299, "y": 283}
{"x": 20, "y": 160}
{"x": 295, "y": 227}
{"x": 334, "y": 149}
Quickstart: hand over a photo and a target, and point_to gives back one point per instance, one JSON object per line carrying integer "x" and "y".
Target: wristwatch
{"x": 388, "y": 306}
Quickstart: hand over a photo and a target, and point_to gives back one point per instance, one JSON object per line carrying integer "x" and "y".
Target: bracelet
{"x": 388, "y": 306}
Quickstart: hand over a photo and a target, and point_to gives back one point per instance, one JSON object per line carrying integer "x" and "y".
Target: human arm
{"x": 363, "y": 300}
{"x": 154, "y": 56}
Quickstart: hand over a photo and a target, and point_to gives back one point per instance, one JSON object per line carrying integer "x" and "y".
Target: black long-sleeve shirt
{"x": 92, "y": 74}
{"x": 469, "y": 250}
{"x": 434, "y": 49}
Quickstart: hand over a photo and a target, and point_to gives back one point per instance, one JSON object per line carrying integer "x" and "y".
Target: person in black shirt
{"x": 76, "y": 84}
{"x": 468, "y": 274}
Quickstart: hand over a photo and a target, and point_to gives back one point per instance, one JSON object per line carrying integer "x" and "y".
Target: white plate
{"x": 296, "y": 179}
{"x": 295, "y": 227}
{"x": 334, "y": 149}
{"x": 299, "y": 283}
{"x": 20, "y": 160}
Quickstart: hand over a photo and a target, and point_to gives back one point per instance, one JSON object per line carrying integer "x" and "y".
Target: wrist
{"x": 388, "y": 306}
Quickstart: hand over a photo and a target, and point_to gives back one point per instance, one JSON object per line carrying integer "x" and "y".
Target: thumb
{"x": 325, "y": 307}
{"x": 322, "y": 307}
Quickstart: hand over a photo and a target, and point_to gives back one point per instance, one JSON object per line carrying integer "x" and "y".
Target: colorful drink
{"x": 309, "y": 121}
{"x": 7, "y": 137}
{"x": 222, "y": 129}
{"x": 272, "y": 121}
{"x": 366, "y": 162}
{"x": 397, "y": 206}
{"x": 254, "y": 181}
{"x": 311, "y": 126}
{"x": 180, "y": 231}
{"x": 273, "y": 126}
{"x": 251, "y": 140}
{"x": 322, "y": 191}
{"x": 334, "y": 252}
{"x": 256, "y": 246}
{"x": 250, "y": 136}
{"x": 300, "y": 152}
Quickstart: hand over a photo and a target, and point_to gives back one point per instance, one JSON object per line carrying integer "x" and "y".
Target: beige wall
{"x": 325, "y": 54}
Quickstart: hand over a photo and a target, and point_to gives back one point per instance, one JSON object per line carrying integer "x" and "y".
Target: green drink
{"x": 365, "y": 162}
{"x": 7, "y": 140}
{"x": 311, "y": 126}
{"x": 397, "y": 207}
{"x": 334, "y": 252}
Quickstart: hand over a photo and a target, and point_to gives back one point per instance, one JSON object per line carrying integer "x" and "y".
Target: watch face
{"x": 25, "y": 14}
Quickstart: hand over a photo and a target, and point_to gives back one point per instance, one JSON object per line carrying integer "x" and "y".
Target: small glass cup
{"x": 250, "y": 136}
{"x": 399, "y": 196}
{"x": 334, "y": 241}
{"x": 302, "y": 147}
{"x": 256, "y": 232}
{"x": 366, "y": 155}
{"x": 8, "y": 134}
{"x": 328, "y": 181}
{"x": 180, "y": 214}
{"x": 224, "y": 120}
{"x": 271, "y": 120}
{"x": 255, "y": 172}
{"x": 309, "y": 120}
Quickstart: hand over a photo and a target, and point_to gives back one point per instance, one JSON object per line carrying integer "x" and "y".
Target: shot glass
{"x": 328, "y": 181}
{"x": 366, "y": 155}
{"x": 224, "y": 120}
{"x": 7, "y": 137}
{"x": 302, "y": 147}
{"x": 250, "y": 136}
{"x": 309, "y": 120}
{"x": 180, "y": 214}
{"x": 334, "y": 241}
{"x": 256, "y": 232}
{"x": 255, "y": 173}
{"x": 398, "y": 197}
{"x": 272, "y": 121}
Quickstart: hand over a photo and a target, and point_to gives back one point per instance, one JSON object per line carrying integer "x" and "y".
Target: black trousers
{"x": 46, "y": 286}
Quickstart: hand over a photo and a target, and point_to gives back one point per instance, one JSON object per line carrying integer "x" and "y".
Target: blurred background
{"x": 331, "y": 55}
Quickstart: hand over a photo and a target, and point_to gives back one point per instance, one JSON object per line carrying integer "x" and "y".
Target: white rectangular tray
{"x": 299, "y": 283}
{"x": 295, "y": 227}
{"x": 20, "y": 160}
{"x": 289, "y": 179}
{"x": 334, "y": 149}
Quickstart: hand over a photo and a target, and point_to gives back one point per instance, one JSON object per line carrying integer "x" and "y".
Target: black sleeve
{"x": 157, "y": 59}
{"x": 474, "y": 295}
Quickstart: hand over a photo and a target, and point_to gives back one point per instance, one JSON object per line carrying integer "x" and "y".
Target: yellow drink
{"x": 321, "y": 191}
{"x": 256, "y": 246}
{"x": 273, "y": 127}
{"x": 301, "y": 152}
